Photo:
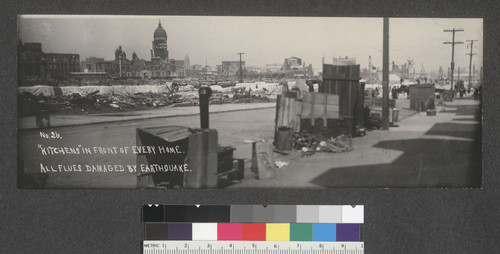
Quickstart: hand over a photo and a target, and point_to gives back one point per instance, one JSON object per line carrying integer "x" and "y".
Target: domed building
{"x": 120, "y": 54}
{"x": 159, "y": 51}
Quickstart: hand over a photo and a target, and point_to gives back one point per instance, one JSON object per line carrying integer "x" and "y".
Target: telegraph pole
{"x": 470, "y": 61}
{"x": 385, "y": 76}
{"x": 241, "y": 70}
{"x": 474, "y": 71}
{"x": 370, "y": 68}
{"x": 453, "y": 50}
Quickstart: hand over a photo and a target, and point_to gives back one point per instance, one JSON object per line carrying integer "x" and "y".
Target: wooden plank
{"x": 350, "y": 105}
{"x": 311, "y": 113}
{"x": 297, "y": 110}
{"x": 332, "y": 99}
{"x": 288, "y": 106}
{"x": 277, "y": 116}
{"x": 289, "y": 113}
{"x": 341, "y": 72}
{"x": 282, "y": 111}
{"x": 332, "y": 117}
{"x": 329, "y": 115}
{"x": 321, "y": 108}
{"x": 292, "y": 114}
{"x": 319, "y": 111}
{"x": 325, "y": 100}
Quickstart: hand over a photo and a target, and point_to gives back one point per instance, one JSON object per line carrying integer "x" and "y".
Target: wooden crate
{"x": 343, "y": 81}
{"x": 320, "y": 105}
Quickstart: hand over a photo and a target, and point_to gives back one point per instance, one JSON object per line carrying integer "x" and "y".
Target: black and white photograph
{"x": 224, "y": 102}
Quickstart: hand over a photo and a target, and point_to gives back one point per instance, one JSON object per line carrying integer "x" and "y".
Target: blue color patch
{"x": 324, "y": 232}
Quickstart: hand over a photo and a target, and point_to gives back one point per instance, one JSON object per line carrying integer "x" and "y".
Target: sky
{"x": 264, "y": 40}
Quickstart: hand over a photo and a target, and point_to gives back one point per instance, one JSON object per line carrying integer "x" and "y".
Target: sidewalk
{"x": 423, "y": 151}
{"x": 29, "y": 122}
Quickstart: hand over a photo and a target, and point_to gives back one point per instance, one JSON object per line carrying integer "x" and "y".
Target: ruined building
{"x": 159, "y": 52}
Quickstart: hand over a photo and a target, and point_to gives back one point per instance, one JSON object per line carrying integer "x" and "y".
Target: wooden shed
{"x": 343, "y": 81}
{"x": 336, "y": 109}
{"x": 422, "y": 97}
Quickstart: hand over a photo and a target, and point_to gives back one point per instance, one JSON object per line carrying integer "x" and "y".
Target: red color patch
{"x": 254, "y": 232}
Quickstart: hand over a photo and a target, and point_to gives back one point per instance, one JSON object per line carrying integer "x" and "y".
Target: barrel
{"x": 284, "y": 139}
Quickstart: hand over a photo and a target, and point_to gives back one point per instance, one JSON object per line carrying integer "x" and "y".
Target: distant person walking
{"x": 394, "y": 93}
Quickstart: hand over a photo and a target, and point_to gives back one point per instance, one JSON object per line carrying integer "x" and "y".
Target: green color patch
{"x": 301, "y": 232}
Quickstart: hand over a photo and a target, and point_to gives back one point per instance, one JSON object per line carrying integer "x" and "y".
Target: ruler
{"x": 251, "y": 247}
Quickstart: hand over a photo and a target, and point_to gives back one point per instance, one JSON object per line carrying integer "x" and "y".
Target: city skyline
{"x": 265, "y": 40}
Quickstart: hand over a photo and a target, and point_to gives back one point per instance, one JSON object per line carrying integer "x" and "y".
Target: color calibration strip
{"x": 317, "y": 232}
{"x": 254, "y": 213}
{"x": 253, "y": 223}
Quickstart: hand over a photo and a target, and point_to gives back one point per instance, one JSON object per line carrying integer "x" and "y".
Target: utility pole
{"x": 385, "y": 77}
{"x": 370, "y": 68}
{"x": 470, "y": 61}
{"x": 241, "y": 70}
{"x": 453, "y": 50}
{"x": 474, "y": 71}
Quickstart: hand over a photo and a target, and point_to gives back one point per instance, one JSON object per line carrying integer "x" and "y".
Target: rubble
{"x": 281, "y": 164}
{"x": 69, "y": 99}
{"x": 97, "y": 103}
{"x": 310, "y": 144}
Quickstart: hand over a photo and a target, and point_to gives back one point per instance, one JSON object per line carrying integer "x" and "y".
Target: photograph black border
{"x": 412, "y": 220}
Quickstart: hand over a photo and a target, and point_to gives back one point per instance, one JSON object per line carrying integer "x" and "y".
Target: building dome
{"x": 160, "y": 33}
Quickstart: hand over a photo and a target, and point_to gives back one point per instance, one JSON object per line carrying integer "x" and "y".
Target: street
{"x": 233, "y": 129}
{"x": 423, "y": 151}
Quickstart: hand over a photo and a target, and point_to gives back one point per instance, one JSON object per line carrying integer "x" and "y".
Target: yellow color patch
{"x": 278, "y": 232}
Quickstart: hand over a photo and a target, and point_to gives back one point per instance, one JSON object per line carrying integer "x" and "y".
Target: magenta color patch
{"x": 229, "y": 231}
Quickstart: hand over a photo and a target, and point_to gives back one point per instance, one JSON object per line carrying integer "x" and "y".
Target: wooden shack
{"x": 336, "y": 109}
{"x": 343, "y": 81}
{"x": 422, "y": 97}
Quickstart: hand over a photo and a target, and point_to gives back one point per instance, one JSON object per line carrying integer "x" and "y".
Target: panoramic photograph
{"x": 216, "y": 102}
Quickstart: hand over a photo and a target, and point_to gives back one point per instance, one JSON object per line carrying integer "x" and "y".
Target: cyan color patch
{"x": 324, "y": 232}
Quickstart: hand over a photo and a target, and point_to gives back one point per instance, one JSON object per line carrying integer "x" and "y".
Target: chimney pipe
{"x": 204, "y": 93}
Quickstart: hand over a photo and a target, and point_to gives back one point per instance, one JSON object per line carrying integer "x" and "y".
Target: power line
{"x": 453, "y": 50}
{"x": 470, "y": 61}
